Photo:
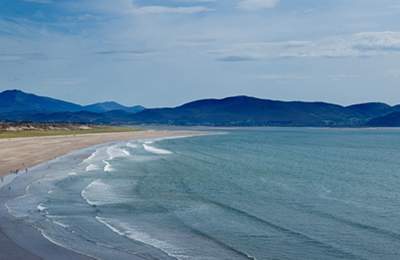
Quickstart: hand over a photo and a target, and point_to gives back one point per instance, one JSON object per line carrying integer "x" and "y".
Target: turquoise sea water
{"x": 245, "y": 194}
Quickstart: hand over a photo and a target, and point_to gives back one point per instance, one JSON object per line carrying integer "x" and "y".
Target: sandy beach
{"x": 19, "y": 240}
{"x": 21, "y": 153}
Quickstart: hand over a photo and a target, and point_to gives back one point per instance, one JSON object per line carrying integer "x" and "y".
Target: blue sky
{"x": 167, "y": 52}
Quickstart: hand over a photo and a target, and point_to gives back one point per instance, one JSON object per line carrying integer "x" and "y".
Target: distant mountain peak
{"x": 111, "y": 106}
{"x": 380, "y": 104}
{"x": 15, "y": 100}
{"x": 109, "y": 103}
{"x": 371, "y": 109}
{"x": 13, "y": 91}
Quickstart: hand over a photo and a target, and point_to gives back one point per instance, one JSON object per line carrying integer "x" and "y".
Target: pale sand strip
{"x": 21, "y": 153}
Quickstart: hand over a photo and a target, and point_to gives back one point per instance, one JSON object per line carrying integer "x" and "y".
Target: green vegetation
{"x": 14, "y": 131}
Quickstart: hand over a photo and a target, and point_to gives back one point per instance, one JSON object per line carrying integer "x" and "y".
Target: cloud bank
{"x": 355, "y": 45}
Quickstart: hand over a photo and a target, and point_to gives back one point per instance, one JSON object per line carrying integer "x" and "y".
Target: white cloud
{"x": 16, "y": 57}
{"x": 356, "y": 45}
{"x": 378, "y": 41}
{"x": 158, "y": 9}
{"x": 253, "y": 5}
{"x": 127, "y": 7}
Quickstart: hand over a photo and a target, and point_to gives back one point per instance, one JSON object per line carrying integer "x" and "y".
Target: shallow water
{"x": 247, "y": 194}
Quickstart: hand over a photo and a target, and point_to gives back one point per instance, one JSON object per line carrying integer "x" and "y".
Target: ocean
{"x": 257, "y": 193}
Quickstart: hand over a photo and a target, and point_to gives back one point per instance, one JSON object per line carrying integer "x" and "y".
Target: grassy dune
{"x": 16, "y": 131}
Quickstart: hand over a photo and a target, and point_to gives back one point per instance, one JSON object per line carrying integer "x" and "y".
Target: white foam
{"x": 15, "y": 210}
{"x": 116, "y": 152}
{"x": 103, "y": 221}
{"x": 72, "y": 174}
{"x": 50, "y": 239}
{"x": 93, "y": 186}
{"x": 155, "y": 150}
{"x": 107, "y": 167}
{"x": 92, "y": 167}
{"x": 132, "y": 145}
{"x": 99, "y": 192}
{"x": 57, "y": 222}
{"x": 41, "y": 208}
{"x": 60, "y": 224}
{"x": 151, "y": 141}
{"x": 134, "y": 234}
{"x": 91, "y": 157}
{"x": 9, "y": 210}
{"x": 325, "y": 189}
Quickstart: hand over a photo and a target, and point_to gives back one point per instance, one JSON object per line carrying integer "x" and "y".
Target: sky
{"x": 168, "y": 52}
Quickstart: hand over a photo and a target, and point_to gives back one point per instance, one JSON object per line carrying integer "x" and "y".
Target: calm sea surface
{"x": 244, "y": 194}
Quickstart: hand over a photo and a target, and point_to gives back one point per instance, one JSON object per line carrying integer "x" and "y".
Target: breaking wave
{"x": 156, "y": 150}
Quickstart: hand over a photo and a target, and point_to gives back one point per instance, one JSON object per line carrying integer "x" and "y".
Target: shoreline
{"x": 21, "y": 240}
{"x": 19, "y": 154}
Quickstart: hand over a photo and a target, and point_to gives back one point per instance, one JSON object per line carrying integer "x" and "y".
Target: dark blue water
{"x": 246, "y": 194}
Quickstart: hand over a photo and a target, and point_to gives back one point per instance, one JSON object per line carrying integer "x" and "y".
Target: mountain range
{"x": 18, "y": 101}
{"x": 16, "y": 105}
